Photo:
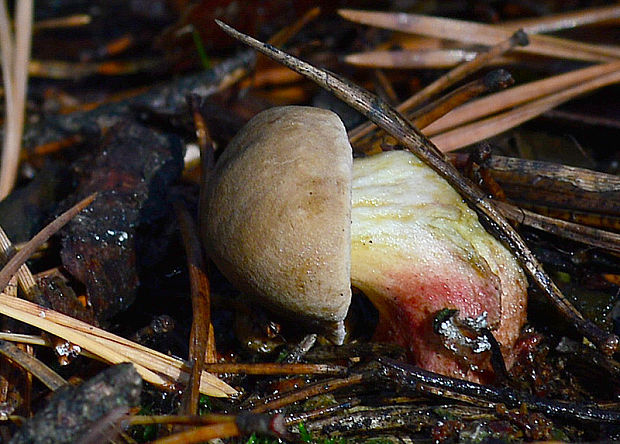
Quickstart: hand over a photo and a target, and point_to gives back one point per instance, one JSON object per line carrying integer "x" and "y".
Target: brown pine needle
{"x": 209, "y": 418}
{"x": 69, "y": 21}
{"x": 285, "y": 34}
{"x": 202, "y": 434}
{"x": 308, "y": 392}
{"x": 481, "y": 130}
{"x": 201, "y": 307}
{"x": 268, "y": 368}
{"x": 99, "y": 342}
{"x": 449, "y": 79}
{"x": 471, "y": 32}
{"x": 567, "y": 20}
{"x": 419, "y": 59}
{"x": 493, "y": 81}
{"x": 515, "y": 96}
{"x": 399, "y": 127}
{"x": 39, "y": 239}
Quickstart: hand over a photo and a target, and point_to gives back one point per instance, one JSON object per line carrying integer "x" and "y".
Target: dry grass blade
{"x": 395, "y": 124}
{"x": 109, "y": 347}
{"x": 516, "y": 96}
{"x": 35, "y": 315}
{"x": 18, "y": 80}
{"x": 46, "y": 375}
{"x": 40, "y": 238}
{"x": 471, "y": 32}
{"x": 481, "y": 130}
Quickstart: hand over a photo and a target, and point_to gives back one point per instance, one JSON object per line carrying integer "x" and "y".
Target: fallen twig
{"x": 416, "y": 378}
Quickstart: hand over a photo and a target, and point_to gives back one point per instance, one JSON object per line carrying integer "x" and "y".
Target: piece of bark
{"x": 132, "y": 174}
{"x": 72, "y": 411}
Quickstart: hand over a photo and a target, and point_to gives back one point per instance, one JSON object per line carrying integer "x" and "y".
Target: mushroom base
{"x": 417, "y": 249}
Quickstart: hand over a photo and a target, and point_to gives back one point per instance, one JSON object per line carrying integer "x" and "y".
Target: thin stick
{"x": 209, "y": 418}
{"x": 395, "y": 124}
{"x": 479, "y": 33}
{"x": 483, "y": 129}
{"x": 40, "y": 238}
{"x": 516, "y": 96}
{"x": 416, "y": 378}
{"x": 46, "y": 375}
{"x": 450, "y": 78}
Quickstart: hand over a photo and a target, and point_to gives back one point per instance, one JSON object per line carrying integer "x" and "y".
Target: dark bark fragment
{"x": 73, "y": 410}
{"x": 131, "y": 173}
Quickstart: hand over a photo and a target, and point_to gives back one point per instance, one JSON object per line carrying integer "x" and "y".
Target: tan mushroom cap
{"x": 277, "y": 218}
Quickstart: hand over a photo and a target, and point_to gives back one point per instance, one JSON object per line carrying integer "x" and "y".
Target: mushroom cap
{"x": 277, "y": 214}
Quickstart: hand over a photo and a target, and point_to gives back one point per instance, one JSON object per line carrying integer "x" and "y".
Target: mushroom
{"x": 292, "y": 220}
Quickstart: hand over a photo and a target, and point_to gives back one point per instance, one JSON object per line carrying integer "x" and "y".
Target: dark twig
{"x": 414, "y": 377}
{"x": 395, "y": 124}
{"x": 605, "y": 240}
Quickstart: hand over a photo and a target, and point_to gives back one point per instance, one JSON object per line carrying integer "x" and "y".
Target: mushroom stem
{"x": 417, "y": 249}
